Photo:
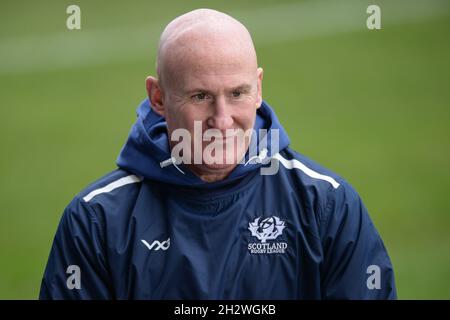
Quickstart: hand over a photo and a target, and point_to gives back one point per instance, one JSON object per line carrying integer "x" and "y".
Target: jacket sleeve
{"x": 356, "y": 264}
{"x": 76, "y": 268}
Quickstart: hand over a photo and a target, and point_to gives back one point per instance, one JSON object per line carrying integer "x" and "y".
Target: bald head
{"x": 202, "y": 38}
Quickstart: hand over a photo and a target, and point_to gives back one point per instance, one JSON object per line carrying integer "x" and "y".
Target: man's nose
{"x": 221, "y": 117}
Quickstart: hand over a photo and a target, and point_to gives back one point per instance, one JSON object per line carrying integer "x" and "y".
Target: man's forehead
{"x": 214, "y": 64}
{"x": 210, "y": 70}
{"x": 214, "y": 76}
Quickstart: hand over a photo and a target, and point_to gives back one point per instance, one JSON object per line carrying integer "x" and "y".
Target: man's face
{"x": 219, "y": 91}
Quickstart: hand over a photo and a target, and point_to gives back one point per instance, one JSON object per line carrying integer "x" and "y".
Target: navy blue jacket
{"x": 143, "y": 231}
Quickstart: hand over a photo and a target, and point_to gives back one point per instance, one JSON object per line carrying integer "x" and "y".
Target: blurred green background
{"x": 371, "y": 105}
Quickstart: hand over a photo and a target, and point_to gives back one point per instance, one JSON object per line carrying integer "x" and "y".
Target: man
{"x": 248, "y": 218}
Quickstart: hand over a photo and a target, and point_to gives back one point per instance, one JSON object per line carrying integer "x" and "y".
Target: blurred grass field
{"x": 373, "y": 106}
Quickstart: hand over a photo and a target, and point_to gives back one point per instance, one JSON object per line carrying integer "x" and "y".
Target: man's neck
{"x": 211, "y": 175}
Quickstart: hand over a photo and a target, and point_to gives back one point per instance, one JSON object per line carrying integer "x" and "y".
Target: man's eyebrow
{"x": 243, "y": 87}
{"x": 194, "y": 90}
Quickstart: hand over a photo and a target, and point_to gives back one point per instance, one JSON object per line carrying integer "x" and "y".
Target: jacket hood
{"x": 146, "y": 152}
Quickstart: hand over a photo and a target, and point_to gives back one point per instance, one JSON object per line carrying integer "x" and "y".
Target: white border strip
{"x": 294, "y": 163}
{"x": 113, "y": 185}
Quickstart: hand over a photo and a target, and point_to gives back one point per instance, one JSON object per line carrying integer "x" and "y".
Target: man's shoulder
{"x": 309, "y": 171}
{"x": 314, "y": 177}
{"x": 112, "y": 184}
{"x": 102, "y": 198}
{"x": 334, "y": 190}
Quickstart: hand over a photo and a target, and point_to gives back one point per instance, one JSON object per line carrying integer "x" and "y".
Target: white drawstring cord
{"x": 169, "y": 162}
{"x": 258, "y": 158}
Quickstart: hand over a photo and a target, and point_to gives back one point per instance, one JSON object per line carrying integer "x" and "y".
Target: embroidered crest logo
{"x": 265, "y": 229}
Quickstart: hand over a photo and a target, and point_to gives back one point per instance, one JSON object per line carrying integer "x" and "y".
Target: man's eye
{"x": 199, "y": 96}
{"x": 236, "y": 94}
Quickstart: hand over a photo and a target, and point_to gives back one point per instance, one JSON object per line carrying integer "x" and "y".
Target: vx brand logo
{"x": 156, "y": 245}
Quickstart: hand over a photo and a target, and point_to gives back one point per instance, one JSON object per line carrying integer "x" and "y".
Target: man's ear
{"x": 260, "y": 72}
{"x": 155, "y": 95}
